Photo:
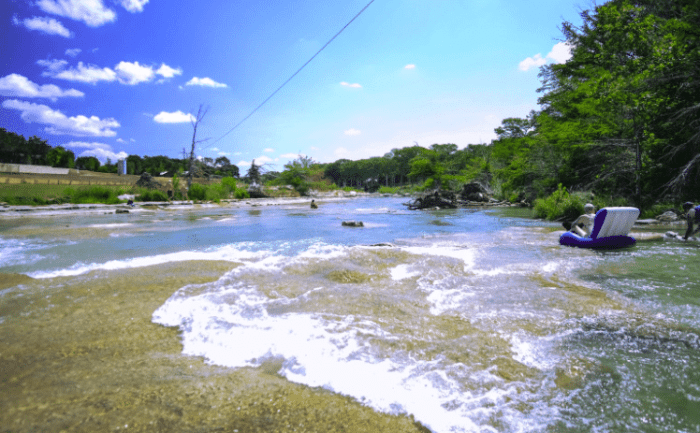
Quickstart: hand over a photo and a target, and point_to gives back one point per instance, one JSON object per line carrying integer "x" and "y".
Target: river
{"x": 464, "y": 320}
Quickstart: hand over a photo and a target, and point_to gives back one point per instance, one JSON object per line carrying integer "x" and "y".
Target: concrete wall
{"x": 33, "y": 169}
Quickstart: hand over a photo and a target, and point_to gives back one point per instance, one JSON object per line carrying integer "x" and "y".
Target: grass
{"x": 37, "y": 194}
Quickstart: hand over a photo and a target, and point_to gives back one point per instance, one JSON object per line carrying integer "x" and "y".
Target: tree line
{"x": 15, "y": 149}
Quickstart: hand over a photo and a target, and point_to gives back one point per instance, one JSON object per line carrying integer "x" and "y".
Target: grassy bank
{"x": 81, "y": 354}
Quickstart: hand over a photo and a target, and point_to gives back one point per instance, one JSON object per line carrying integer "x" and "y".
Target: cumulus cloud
{"x": 290, "y": 156}
{"x": 101, "y": 151}
{"x": 83, "y": 73}
{"x": 133, "y": 6}
{"x": 129, "y": 73}
{"x": 352, "y": 131}
{"x": 166, "y": 71}
{"x": 176, "y": 117}
{"x": 346, "y": 84}
{"x": 91, "y": 12}
{"x": 204, "y": 82}
{"x": 46, "y": 25}
{"x": 268, "y": 150}
{"x": 60, "y": 124}
{"x": 410, "y": 66}
{"x": 262, "y": 160}
{"x": 73, "y": 52}
{"x": 133, "y": 73}
{"x": 560, "y": 53}
{"x": 18, "y": 86}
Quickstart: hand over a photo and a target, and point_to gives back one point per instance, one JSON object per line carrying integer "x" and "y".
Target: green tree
{"x": 87, "y": 163}
{"x": 60, "y": 157}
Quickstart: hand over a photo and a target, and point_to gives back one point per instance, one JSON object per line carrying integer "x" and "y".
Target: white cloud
{"x": 133, "y": 73}
{"x": 346, "y": 84}
{"x": 47, "y": 25}
{"x": 16, "y": 85}
{"x": 168, "y": 72}
{"x": 204, "y": 82}
{"x": 83, "y": 73}
{"x": 560, "y": 53}
{"x": 100, "y": 151}
{"x": 410, "y": 66}
{"x": 176, "y": 117}
{"x": 129, "y": 73}
{"x": 262, "y": 160}
{"x": 290, "y": 156}
{"x": 59, "y": 124}
{"x": 268, "y": 150}
{"x": 91, "y": 12}
{"x": 73, "y": 52}
{"x": 352, "y": 131}
{"x": 121, "y": 140}
{"x": 133, "y": 6}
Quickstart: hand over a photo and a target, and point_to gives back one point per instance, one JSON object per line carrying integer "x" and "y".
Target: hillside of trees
{"x": 620, "y": 119}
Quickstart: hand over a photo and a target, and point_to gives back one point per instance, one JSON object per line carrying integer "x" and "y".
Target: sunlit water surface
{"x": 470, "y": 320}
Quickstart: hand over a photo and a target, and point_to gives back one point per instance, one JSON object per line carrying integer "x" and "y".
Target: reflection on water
{"x": 467, "y": 320}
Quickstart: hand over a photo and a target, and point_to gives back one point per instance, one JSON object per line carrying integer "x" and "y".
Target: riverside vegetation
{"x": 617, "y": 125}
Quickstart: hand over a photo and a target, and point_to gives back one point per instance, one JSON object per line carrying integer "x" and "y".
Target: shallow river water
{"x": 468, "y": 320}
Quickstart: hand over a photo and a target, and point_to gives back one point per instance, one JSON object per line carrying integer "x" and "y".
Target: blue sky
{"x": 114, "y": 77}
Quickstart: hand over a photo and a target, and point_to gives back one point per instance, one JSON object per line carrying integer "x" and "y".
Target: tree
{"x": 195, "y": 123}
{"x": 60, "y": 157}
{"x": 253, "y": 174}
{"x": 87, "y": 163}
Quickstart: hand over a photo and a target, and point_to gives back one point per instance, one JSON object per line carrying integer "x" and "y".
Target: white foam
{"x": 466, "y": 255}
{"x": 227, "y": 253}
{"x": 330, "y": 354}
{"x": 110, "y": 226}
{"x": 402, "y": 272}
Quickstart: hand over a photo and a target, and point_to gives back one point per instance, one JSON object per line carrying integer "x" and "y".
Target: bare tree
{"x": 195, "y": 123}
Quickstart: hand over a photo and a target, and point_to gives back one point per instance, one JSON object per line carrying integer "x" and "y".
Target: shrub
{"x": 197, "y": 192}
{"x": 152, "y": 195}
{"x": 93, "y": 194}
{"x": 559, "y": 205}
{"x": 241, "y": 194}
{"x": 389, "y": 190}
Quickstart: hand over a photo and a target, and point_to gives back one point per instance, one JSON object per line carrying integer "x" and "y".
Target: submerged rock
{"x": 353, "y": 224}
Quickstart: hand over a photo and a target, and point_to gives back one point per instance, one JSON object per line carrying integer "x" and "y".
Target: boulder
{"x": 147, "y": 181}
{"x": 474, "y": 191}
{"x": 667, "y": 217}
{"x": 353, "y": 224}
{"x": 255, "y": 190}
{"x": 434, "y": 199}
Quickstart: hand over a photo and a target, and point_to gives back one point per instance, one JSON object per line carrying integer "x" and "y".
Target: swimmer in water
{"x": 692, "y": 216}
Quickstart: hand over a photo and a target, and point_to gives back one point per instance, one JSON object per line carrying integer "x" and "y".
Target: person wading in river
{"x": 692, "y": 216}
{"x": 583, "y": 226}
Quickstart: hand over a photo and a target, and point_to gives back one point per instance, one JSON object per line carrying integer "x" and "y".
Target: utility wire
{"x": 294, "y": 74}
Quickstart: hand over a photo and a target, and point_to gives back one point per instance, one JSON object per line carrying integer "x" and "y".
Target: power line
{"x": 294, "y": 74}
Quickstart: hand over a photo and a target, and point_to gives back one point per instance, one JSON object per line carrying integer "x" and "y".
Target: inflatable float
{"x": 610, "y": 228}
